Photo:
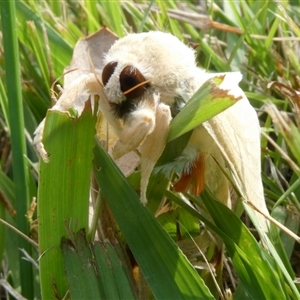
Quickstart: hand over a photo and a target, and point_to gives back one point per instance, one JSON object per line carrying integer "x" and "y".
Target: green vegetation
{"x": 169, "y": 251}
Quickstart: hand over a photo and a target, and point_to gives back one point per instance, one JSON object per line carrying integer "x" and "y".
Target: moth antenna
{"x": 54, "y": 95}
{"x": 93, "y": 68}
{"x": 136, "y": 86}
{"x": 66, "y": 72}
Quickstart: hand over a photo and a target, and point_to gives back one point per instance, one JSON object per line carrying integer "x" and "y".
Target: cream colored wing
{"x": 236, "y": 132}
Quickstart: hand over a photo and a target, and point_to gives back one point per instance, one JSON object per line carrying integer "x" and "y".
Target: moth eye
{"x": 108, "y": 71}
{"x": 130, "y": 78}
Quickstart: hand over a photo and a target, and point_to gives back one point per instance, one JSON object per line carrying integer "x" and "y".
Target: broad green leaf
{"x": 167, "y": 271}
{"x": 207, "y": 102}
{"x": 63, "y": 196}
{"x": 122, "y": 281}
{"x": 107, "y": 272}
{"x": 80, "y": 268}
{"x": 94, "y": 270}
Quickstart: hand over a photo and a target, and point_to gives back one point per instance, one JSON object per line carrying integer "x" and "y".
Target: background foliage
{"x": 259, "y": 38}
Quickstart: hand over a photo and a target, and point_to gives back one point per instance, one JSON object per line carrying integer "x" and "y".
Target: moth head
{"x": 129, "y": 85}
{"x": 132, "y": 82}
{"x": 139, "y": 65}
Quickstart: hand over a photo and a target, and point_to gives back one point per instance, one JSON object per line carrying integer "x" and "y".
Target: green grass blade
{"x": 280, "y": 267}
{"x": 16, "y": 125}
{"x": 203, "y": 105}
{"x": 2, "y": 230}
{"x": 163, "y": 266}
{"x": 90, "y": 8}
{"x": 289, "y": 219}
{"x": 7, "y": 188}
{"x": 37, "y": 44}
{"x": 106, "y": 272}
{"x": 4, "y": 102}
{"x": 116, "y": 20}
{"x": 258, "y": 271}
{"x": 115, "y": 281}
{"x": 80, "y": 267}
{"x": 61, "y": 50}
{"x": 63, "y": 194}
{"x": 255, "y": 267}
{"x": 94, "y": 270}
{"x": 142, "y": 23}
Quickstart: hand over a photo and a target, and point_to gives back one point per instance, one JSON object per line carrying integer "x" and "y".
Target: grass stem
{"x": 16, "y": 126}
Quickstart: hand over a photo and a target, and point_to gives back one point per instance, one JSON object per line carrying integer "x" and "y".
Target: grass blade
{"x": 207, "y": 102}
{"x": 122, "y": 282}
{"x": 164, "y": 265}
{"x": 80, "y": 268}
{"x": 260, "y": 275}
{"x": 63, "y": 192}
{"x": 16, "y": 126}
{"x": 61, "y": 50}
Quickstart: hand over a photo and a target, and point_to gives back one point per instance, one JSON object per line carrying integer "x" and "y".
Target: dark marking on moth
{"x": 121, "y": 110}
{"x": 108, "y": 71}
{"x": 177, "y": 106}
{"x": 131, "y": 77}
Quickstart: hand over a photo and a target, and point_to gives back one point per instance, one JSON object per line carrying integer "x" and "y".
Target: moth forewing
{"x": 236, "y": 133}
{"x": 213, "y": 159}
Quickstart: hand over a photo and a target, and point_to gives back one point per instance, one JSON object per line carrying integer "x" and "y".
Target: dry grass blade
{"x": 6, "y": 285}
{"x": 275, "y": 222}
{"x": 201, "y": 21}
{"x": 24, "y": 236}
{"x": 292, "y": 164}
{"x": 286, "y": 127}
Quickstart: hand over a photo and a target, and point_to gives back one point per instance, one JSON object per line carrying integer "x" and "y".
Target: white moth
{"x": 146, "y": 78}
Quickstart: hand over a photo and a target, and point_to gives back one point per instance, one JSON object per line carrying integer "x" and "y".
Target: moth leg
{"x": 138, "y": 125}
{"x": 153, "y": 146}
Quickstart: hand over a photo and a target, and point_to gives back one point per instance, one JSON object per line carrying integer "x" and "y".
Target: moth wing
{"x": 236, "y": 132}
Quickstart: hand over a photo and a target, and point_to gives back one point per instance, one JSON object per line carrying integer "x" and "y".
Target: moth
{"x": 146, "y": 80}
